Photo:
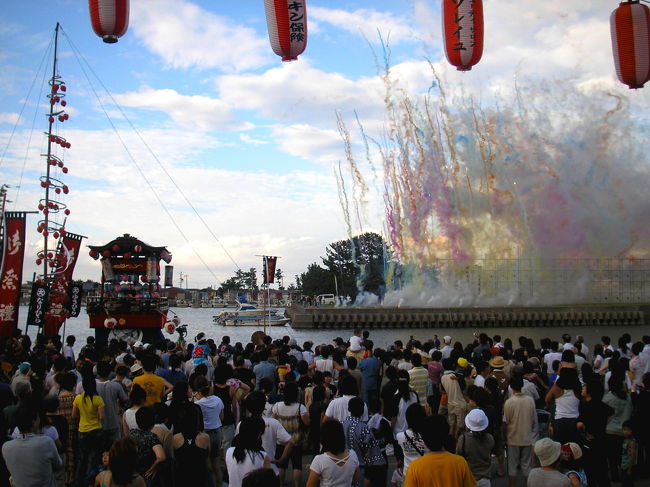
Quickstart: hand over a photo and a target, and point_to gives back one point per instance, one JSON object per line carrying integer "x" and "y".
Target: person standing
{"x": 371, "y": 369}
{"x": 89, "y": 408}
{"x": 475, "y": 446}
{"x": 110, "y": 392}
{"x": 520, "y": 424}
{"x": 156, "y": 387}
{"x": 438, "y": 468}
{"x": 212, "y": 410}
{"x": 31, "y": 458}
{"x": 419, "y": 378}
{"x": 456, "y": 403}
{"x": 191, "y": 451}
{"x": 336, "y": 466}
{"x": 619, "y": 400}
{"x": 246, "y": 454}
{"x": 67, "y": 383}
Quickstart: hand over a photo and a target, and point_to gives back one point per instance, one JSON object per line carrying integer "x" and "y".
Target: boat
{"x": 130, "y": 305}
{"x": 250, "y": 315}
{"x": 181, "y": 303}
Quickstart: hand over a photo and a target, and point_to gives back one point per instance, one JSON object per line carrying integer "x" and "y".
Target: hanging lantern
{"x": 287, "y": 25}
{"x": 93, "y": 254}
{"x": 109, "y": 18}
{"x": 630, "y": 30}
{"x": 110, "y": 323}
{"x": 115, "y": 248}
{"x": 137, "y": 248}
{"x": 170, "y": 327}
{"x": 462, "y": 24}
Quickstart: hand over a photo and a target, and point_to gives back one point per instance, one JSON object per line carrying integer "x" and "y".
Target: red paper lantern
{"x": 45, "y": 233}
{"x": 109, "y": 18}
{"x": 106, "y": 253}
{"x": 630, "y": 30}
{"x": 287, "y": 25}
{"x": 67, "y": 212}
{"x": 462, "y": 24}
{"x": 39, "y": 261}
{"x": 138, "y": 248}
{"x": 127, "y": 255}
{"x": 115, "y": 248}
{"x": 93, "y": 254}
{"x": 170, "y": 327}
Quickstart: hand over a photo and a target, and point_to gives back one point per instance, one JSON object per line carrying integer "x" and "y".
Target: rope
{"x": 79, "y": 56}
{"x": 155, "y": 157}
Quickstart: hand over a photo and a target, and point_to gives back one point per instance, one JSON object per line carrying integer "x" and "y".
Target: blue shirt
{"x": 264, "y": 369}
{"x": 370, "y": 368}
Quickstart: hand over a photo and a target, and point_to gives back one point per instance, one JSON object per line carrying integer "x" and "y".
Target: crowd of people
{"x": 412, "y": 414}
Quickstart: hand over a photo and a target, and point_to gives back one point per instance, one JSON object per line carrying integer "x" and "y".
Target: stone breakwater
{"x": 480, "y": 318}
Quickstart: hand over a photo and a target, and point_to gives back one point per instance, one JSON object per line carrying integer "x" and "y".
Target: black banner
{"x": 169, "y": 276}
{"x": 74, "y": 303}
{"x": 38, "y": 305}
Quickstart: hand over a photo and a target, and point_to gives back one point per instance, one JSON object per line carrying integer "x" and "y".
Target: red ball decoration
{"x": 65, "y": 170}
{"x": 39, "y": 229}
{"x": 45, "y": 211}
{"x": 127, "y": 255}
{"x": 115, "y": 248}
{"x": 43, "y": 184}
{"x": 67, "y": 212}
{"x": 55, "y": 235}
{"x": 55, "y": 88}
{"x": 39, "y": 261}
{"x": 62, "y": 232}
{"x": 66, "y": 116}
{"x": 63, "y": 103}
{"x": 60, "y": 164}
{"x": 45, "y": 233}
{"x": 50, "y": 255}
{"x": 52, "y": 138}
{"x": 63, "y": 88}
{"x": 106, "y": 253}
{"x": 93, "y": 254}
{"x": 57, "y": 190}
{"x": 40, "y": 206}
{"x": 61, "y": 118}
{"x": 66, "y": 190}
{"x": 68, "y": 145}
{"x": 51, "y": 119}
{"x": 630, "y": 31}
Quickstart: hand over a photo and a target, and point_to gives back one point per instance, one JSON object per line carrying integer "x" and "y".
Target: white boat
{"x": 181, "y": 303}
{"x": 247, "y": 314}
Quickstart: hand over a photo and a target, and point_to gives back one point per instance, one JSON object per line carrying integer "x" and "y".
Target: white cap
{"x": 446, "y": 339}
{"x": 476, "y": 420}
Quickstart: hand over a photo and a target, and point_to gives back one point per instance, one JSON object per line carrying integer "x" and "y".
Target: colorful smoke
{"x": 537, "y": 199}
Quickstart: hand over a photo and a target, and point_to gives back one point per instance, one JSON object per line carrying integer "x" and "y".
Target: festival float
{"x": 129, "y": 306}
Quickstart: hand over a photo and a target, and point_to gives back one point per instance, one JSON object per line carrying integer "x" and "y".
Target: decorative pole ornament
{"x": 109, "y": 18}
{"x": 630, "y": 29}
{"x": 287, "y": 25}
{"x": 462, "y": 25}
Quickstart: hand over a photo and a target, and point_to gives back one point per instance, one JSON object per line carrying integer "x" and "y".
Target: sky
{"x": 238, "y": 148}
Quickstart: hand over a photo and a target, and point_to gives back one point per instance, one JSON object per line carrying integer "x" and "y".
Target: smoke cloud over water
{"x": 540, "y": 198}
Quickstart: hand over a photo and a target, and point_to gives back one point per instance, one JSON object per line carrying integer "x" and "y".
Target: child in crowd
{"x": 571, "y": 464}
{"x": 628, "y": 455}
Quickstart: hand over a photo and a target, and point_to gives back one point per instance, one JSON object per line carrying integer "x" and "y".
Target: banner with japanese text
{"x": 13, "y": 254}
{"x": 169, "y": 276}
{"x": 38, "y": 304}
{"x": 59, "y": 306}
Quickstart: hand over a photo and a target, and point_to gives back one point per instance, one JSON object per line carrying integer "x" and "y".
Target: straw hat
{"x": 497, "y": 362}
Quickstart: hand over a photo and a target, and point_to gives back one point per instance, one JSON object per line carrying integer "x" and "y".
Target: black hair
{"x": 349, "y": 386}
{"x": 356, "y": 407}
{"x": 103, "y": 369}
{"x": 290, "y": 393}
{"x": 517, "y": 383}
{"x": 145, "y": 418}
{"x": 137, "y": 396}
{"x": 255, "y": 403}
{"x": 415, "y": 416}
{"x": 25, "y": 417}
{"x": 332, "y": 437}
{"x": 318, "y": 394}
{"x": 435, "y": 432}
{"x": 148, "y": 363}
{"x": 90, "y": 387}
{"x": 261, "y": 476}
{"x": 595, "y": 389}
{"x": 249, "y": 438}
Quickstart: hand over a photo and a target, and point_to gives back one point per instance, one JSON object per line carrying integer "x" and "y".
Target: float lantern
{"x": 630, "y": 30}
{"x": 462, "y": 24}
{"x": 109, "y": 18}
{"x": 287, "y": 25}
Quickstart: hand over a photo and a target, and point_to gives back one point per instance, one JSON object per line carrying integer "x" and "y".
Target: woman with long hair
{"x": 566, "y": 394}
{"x": 191, "y": 451}
{"x": 290, "y": 413}
{"x": 404, "y": 397}
{"x": 137, "y": 397}
{"x": 89, "y": 408}
{"x": 410, "y": 440}
{"x": 122, "y": 462}
{"x": 246, "y": 453}
{"x": 212, "y": 409}
{"x": 336, "y": 465}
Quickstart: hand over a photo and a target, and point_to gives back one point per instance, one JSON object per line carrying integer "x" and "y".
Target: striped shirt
{"x": 418, "y": 377}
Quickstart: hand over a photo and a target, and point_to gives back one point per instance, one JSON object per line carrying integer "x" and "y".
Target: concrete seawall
{"x": 488, "y": 317}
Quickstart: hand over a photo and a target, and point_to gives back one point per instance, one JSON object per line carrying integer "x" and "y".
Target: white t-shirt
{"x": 237, "y": 471}
{"x": 129, "y": 419}
{"x": 325, "y": 365}
{"x": 400, "y": 423}
{"x": 281, "y": 409}
{"x": 412, "y": 445}
{"x": 338, "y": 409}
{"x": 479, "y": 381}
{"x": 274, "y": 434}
{"x": 355, "y": 343}
{"x": 211, "y": 408}
{"x": 335, "y": 472}
{"x": 549, "y": 358}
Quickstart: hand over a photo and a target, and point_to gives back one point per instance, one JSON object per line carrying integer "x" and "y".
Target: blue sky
{"x": 250, "y": 140}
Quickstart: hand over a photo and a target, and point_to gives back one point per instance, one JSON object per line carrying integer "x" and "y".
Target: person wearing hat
{"x": 548, "y": 453}
{"x": 475, "y": 445}
{"x": 23, "y": 374}
{"x": 447, "y": 348}
{"x": 456, "y": 402}
{"x": 498, "y": 364}
{"x": 571, "y": 465}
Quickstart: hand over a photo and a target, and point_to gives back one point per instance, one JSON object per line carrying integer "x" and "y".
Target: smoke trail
{"x": 539, "y": 198}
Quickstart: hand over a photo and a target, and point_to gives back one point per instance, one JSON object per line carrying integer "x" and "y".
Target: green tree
{"x": 358, "y": 264}
{"x": 316, "y": 280}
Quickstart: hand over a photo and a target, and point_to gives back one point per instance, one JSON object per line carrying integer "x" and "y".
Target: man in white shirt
{"x": 551, "y": 357}
{"x": 338, "y": 408}
{"x": 447, "y": 348}
{"x": 68, "y": 352}
{"x": 356, "y": 349}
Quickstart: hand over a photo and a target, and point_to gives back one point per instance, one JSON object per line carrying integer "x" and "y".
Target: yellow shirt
{"x": 88, "y": 412}
{"x": 439, "y": 469}
{"x": 153, "y": 385}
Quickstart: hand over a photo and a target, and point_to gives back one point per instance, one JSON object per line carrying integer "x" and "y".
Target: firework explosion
{"x": 535, "y": 200}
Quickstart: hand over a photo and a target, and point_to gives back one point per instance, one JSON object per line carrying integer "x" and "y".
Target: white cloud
{"x": 201, "y": 112}
{"x": 309, "y": 142}
{"x": 186, "y": 36}
{"x": 247, "y": 139}
{"x": 9, "y": 118}
{"x": 366, "y": 22}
